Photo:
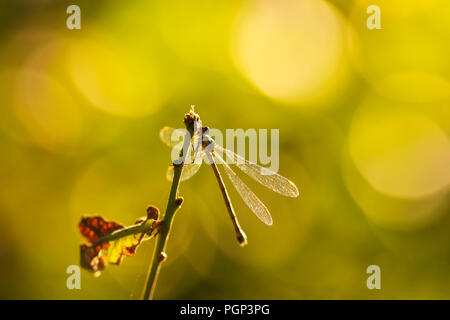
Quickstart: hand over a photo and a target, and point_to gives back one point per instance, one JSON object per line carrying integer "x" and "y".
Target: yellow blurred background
{"x": 364, "y": 119}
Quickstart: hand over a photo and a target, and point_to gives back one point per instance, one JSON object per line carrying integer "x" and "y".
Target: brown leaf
{"x": 90, "y": 259}
{"x": 95, "y": 255}
{"x": 93, "y": 228}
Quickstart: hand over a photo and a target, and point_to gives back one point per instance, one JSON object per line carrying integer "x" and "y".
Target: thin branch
{"x": 144, "y": 227}
{"x": 173, "y": 205}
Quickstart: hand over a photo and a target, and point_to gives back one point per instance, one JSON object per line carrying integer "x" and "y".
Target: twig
{"x": 173, "y": 205}
{"x": 145, "y": 227}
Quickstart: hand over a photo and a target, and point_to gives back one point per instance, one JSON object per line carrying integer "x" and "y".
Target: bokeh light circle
{"x": 291, "y": 50}
{"x": 47, "y": 110}
{"x": 37, "y": 106}
{"x": 115, "y": 78}
{"x": 387, "y": 211}
{"x": 413, "y": 37}
{"x": 400, "y": 151}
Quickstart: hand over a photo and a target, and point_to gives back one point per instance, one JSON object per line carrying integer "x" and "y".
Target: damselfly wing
{"x": 264, "y": 176}
{"x": 246, "y": 194}
{"x": 174, "y": 138}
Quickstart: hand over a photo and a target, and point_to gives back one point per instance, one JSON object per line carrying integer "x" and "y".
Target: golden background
{"x": 364, "y": 119}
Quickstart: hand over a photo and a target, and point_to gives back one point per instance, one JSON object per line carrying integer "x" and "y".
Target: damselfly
{"x": 203, "y": 148}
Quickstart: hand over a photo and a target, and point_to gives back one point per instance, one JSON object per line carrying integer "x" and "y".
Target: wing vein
{"x": 247, "y": 195}
{"x": 264, "y": 176}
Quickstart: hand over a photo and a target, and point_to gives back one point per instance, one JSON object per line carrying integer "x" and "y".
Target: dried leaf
{"x": 95, "y": 254}
{"x": 125, "y": 246}
{"x": 93, "y": 228}
{"x": 90, "y": 258}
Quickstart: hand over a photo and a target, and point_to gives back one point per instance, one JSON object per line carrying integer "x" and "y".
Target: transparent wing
{"x": 166, "y": 136}
{"x": 264, "y": 176}
{"x": 174, "y": 137}
{"x": 196, "y": 140}
{"x": 247, "y": 195}
{"x": 197, "y": 147}
{"x": 189, "y": 169}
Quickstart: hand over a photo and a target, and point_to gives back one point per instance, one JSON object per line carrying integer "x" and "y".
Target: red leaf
{"x": 93, "y": 228}
{"x": 96, "y": 254}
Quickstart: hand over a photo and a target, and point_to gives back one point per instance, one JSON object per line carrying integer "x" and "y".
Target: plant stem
{"x": 173, "y": 205}
{"x": 128, "y": 231}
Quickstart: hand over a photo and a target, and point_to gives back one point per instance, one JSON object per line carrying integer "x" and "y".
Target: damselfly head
{"x": 190, "y": 119}
{"x": 206, "y": 139}
{"x": 205, "y": 130}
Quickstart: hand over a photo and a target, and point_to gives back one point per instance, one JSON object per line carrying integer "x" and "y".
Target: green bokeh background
{"x": 364, "y": 119}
